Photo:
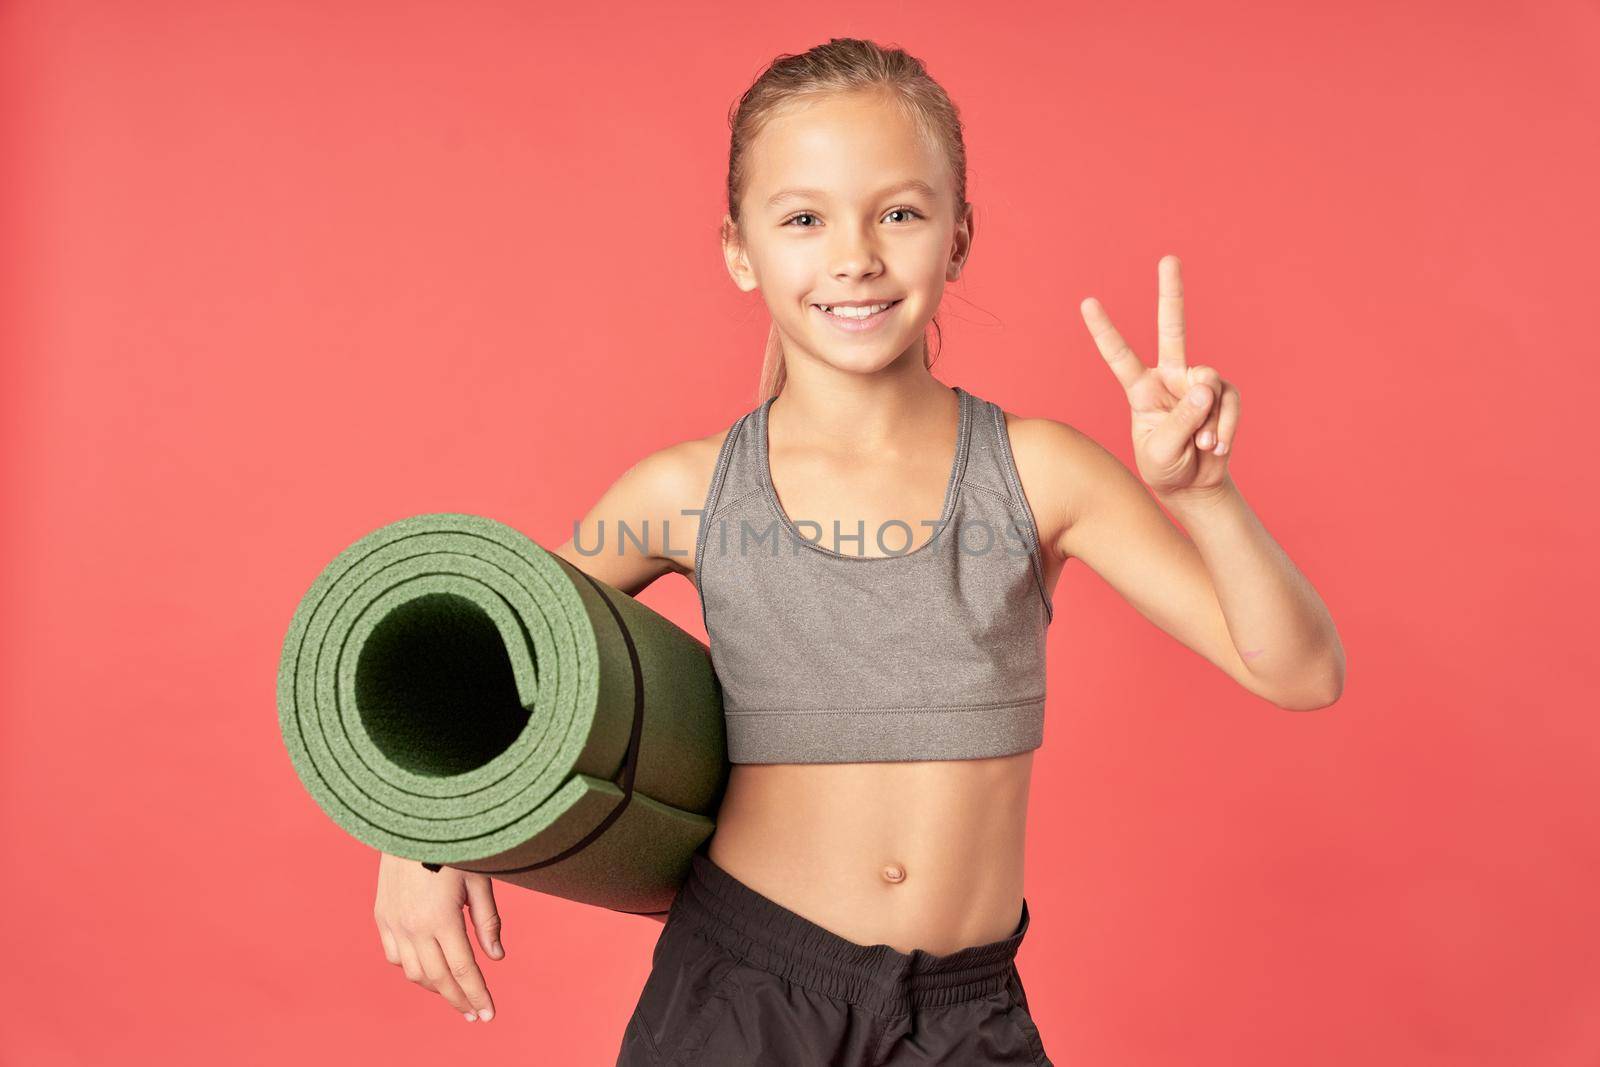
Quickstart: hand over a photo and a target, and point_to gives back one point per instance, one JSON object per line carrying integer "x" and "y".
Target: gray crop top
{"x": 828, "y": 656}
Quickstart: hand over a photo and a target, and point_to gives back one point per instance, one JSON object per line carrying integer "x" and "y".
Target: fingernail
{"x": 486, "y": 1014}
{"x": 1198, "y": 394}
{"x": 1222, "y": 446}
{"x": 471, "y": 1018}
{"x": 496, "y": 949}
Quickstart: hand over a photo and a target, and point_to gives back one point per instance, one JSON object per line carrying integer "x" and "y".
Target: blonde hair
{"x": 843, "y": 65}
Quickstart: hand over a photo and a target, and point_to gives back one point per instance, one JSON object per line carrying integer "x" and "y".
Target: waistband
{"x": 878, "y": 977}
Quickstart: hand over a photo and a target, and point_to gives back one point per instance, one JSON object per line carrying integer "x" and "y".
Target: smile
{"x": 856, "y": 319}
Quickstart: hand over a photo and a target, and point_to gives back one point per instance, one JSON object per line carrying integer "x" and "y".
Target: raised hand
{"x": 1184, "y": 417}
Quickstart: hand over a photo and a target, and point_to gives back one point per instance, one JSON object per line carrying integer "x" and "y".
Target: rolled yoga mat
{"x": 453, "y": 693}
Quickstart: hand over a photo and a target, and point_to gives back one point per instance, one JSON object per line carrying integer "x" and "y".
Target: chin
{"x": 863, "y": 362}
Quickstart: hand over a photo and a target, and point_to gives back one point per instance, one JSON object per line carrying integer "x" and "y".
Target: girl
{"x": 861, "y": 901}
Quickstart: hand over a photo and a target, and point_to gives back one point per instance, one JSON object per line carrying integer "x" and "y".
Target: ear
{"x": 961, "y": 246}
{"x": 736, "y": 257}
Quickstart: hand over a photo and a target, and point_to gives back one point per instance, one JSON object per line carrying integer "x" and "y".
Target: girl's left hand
{"x": 1184, "y": 418}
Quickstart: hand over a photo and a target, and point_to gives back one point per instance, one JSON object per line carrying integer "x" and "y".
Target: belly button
{"x": 894, "y": 873}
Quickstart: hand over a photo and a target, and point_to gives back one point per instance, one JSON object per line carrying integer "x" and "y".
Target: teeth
{"x": 855, "y": 313}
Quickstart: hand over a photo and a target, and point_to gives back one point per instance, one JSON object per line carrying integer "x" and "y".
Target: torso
{"x": 912, "y": 854}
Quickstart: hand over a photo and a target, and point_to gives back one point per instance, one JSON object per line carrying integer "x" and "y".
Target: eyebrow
{"x": 916, "y": 185}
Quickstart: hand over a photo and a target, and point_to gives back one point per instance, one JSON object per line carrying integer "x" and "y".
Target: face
{"x": 846, "y": 201}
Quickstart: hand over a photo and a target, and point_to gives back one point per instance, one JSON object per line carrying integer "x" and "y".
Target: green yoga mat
{"x": 451, "y": 692}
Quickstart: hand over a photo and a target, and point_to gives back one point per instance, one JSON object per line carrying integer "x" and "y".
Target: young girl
{"x": 876, "y": 553}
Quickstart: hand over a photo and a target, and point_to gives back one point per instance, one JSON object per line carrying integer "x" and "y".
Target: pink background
{"x": 279, "y": 273}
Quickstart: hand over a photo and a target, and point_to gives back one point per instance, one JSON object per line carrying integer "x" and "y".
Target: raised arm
{"x": 1231, "y": 594}
{"x": 1225, "y": 589}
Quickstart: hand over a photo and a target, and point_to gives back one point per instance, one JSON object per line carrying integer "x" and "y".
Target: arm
{"x": 651, "y": 499}
{"x": 1226, "y": 590}
{"x": 1229, "y": 593}
{"x": 418, "y": 906}
{"x": 1279, "y": 625}
{"x": 638, "y": 530}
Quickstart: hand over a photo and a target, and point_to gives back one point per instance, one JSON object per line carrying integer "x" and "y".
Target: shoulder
{"x": 671, "y": 483}
{"x": 657, "y": 500}
{"x": 1059, "y": 467}
{"x": 683, "y": 467}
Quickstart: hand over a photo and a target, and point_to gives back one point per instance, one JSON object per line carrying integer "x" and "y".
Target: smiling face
{"x": 847, "y": 202}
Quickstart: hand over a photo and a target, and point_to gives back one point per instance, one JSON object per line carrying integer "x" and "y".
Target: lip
{"x": 872, "y": 322}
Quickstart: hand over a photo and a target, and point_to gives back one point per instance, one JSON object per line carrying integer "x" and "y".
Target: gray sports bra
{"x": 830, "y": 656}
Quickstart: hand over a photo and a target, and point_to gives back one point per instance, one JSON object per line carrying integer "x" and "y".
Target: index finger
{"x": 1169, "y": 315}
{"x": 1118, "y": 356}
{"x": 464, "y": 969}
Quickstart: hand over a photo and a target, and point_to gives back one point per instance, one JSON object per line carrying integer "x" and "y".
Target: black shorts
{"x": 737, "y": 979}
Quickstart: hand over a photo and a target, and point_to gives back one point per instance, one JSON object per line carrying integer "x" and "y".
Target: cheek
{"x": 791, "y": 279}
{"x": 926, "y": 261}
{"x": 941, "y": 251}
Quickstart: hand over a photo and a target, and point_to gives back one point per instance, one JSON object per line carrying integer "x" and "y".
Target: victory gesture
{"x": 1184, "y": 418}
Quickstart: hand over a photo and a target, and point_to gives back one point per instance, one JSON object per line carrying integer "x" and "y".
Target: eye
{"x": 809, "y": 215}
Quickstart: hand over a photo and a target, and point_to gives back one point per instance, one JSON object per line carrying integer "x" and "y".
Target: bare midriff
{"x": 923, "y": 854}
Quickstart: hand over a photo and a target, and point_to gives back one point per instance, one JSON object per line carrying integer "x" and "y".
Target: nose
{"x": 854, "y": 255}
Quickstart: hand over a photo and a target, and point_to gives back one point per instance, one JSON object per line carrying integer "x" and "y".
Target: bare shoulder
{"x": 1058, "y": 465}
{"x": 645, "y": 523}
{"x": 670, "y": 486}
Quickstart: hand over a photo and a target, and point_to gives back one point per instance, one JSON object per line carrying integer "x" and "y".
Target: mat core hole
{"x": 434, "y": 687}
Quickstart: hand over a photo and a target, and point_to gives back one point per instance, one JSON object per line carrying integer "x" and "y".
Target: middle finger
{"x": 1169, "y": 315}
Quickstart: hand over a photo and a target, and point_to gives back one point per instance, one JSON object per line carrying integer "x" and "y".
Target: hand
{"x": 418, "y": 912}
{"x": 1184, "y": 418}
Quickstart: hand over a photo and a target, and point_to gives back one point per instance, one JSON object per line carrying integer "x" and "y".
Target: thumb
{"x": 1182, "y": 422}
{"x": 485, "y": 917}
